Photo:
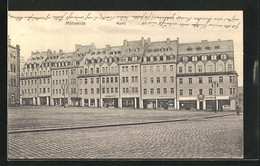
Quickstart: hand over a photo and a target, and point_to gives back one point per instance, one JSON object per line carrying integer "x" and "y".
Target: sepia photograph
{"x": 125, "y": 85}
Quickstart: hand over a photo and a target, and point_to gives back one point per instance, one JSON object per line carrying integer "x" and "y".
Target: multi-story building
{"x": 138, "y": 74}
{"x": 159, "y": 74}
{"x": 206, "y": 77}
{"x": 13, "y": 72}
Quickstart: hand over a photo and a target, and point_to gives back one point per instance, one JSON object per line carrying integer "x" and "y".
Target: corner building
{"x": 138, "y": 74}
{"x": 206, "y": 76}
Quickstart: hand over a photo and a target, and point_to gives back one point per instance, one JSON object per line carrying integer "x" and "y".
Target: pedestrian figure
{"x": 237, "y": 109}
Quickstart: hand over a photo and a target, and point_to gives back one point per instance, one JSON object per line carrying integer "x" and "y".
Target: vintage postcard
{"x": 125, "y": 84}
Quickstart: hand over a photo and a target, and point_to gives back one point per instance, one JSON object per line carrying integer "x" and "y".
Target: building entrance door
{"x": 201, "y": 105}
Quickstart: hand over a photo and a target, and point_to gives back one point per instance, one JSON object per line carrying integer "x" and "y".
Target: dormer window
{"x": 145, "y": 59}
{"x": 223, "y": 56}
{"x": 198, "y": 48}
{"x": 148, "y": 59}
{"x": 213, "y": 57}
{"x": 189, "y": 49}
{"x": 154, "y": 58}
{"x": 185, "y": 58}
{"x": 128, "y": 50}
{"x": 137, "y": 49}
{"x": 194, "y": 58}
{"x": 208, "y": 48}
{"x": 204, "y": 57}
{"x": 169, "y": 49}
{"x": 217, "y": 47}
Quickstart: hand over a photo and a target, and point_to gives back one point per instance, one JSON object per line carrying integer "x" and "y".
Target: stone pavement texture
{"x": 220, "y": 137}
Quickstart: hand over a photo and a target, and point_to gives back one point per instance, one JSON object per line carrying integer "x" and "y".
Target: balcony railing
{"x": 98, "y": 74}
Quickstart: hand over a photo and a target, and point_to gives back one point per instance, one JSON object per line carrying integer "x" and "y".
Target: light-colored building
{"x": 138, "y": 74}
{"x": 206, "y": 76}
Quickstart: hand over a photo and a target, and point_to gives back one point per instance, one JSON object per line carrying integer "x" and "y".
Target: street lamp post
{"x": 215, "y": 85}
{"x": 63, "y": 88}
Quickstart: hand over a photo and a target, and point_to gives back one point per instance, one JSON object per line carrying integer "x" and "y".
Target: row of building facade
{"x": 138, "y": 74}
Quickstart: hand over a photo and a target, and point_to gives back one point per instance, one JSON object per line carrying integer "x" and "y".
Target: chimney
{"x": 125, "y": 42}
{"x": 148, "y": 41}
{"x": 77, "y": 46}
{"x": 218, "y": 39}
{"x": 48, "y": 52}
{"x": 93, "y": 45}
{"x": 142, "y": 40}
{"x": 60, "y": 52}
{"x": 168, "y": 40}
{"x": 108, "y": 47}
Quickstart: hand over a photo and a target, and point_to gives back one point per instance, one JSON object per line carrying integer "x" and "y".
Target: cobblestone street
{"x": 219, "y": 137}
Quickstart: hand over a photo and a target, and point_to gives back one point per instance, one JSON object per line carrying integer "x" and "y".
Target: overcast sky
{"x": 50, "y": 34}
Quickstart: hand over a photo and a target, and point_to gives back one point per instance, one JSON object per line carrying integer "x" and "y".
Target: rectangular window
{"x": 145, "y": 80}
{"x": 151, "y": 69}
{"x": 220, "y": 79}
{"x": 189, "y": 69}
{"x": 152, "y": 91}
{"x": 133, "y": 79}
{"x": 210, "y": 91}
{"x": 158, "y": 91}
{"x": 86, "y": 81}
{"x": 234, "y": 90}
{"x": 165, "y": 90}
{"x": 107, "y": 80}
{"x": 157, "y": 68}
{"x": 92, "y": 90}
{"x": 200, "y": 69}
{"x": 181, "y": 92}
{"x": 97, "y": 70}
{"x": 151, "y": 79}
{"x": 103, "y": 80}
{"x": 86, "y": 91}
{"x": 210, "y": 68}
{"x": 221, "y": 91}
{"x": 171, "y": 67}
{"x": 210, "y": 79}
{"x": 126, "y": 90}
{"x": 107, "y": 90}
{"x": 116, "y": 90}
{"x": 230, "y": 79}
{"x": 190, "y": 92}
{"x": 116, "y": 79}
{"x": 144, "y": 69}
{"x": 136, "y": 89}
{"x": 97, "y": 80}
{"x": 112, "y": 79}
{"x": 158, "y": 79}
{"x": 164, "y": 79}
{"x": 112, "y": 90}
{"x": 200, "y": 91}
{"x": 164, "y": 68}
{"x": 145, "y": 91}
{"x": 103, "y": 90}
{"x": 180, "y": 80}
{"x": 200, "y": 80}
{"x": 126, "y": 79}
{"x": 190, "y": 80}
{"x": 133, "y": 90}
{"x": 172, "y": 90}
{"x": 172, "y": 79}
{"x": 92, "y": 80}
{"x": 229, "y": 67}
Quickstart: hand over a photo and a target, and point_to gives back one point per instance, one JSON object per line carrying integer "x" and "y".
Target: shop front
{"x": 43, "y": 100}
{"x": 210, "y": 104}
{"x": 222, "y": 103}
{"x": 128, "y": 102}
{"x": 27, "y": 101}
{"x": 75, "y": 101}
{"x": 56, "y": 101}
{"x": 110, "y": 102}
{"x": 165, "y": 103}
{"x": 64, "y": 101}
{"x": 149, "y": 104}
{"x": 188, "y": 104}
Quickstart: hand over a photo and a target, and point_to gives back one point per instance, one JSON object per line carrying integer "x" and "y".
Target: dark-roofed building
{"x": 138, "y": 74}
{"x": 13, "y": 72}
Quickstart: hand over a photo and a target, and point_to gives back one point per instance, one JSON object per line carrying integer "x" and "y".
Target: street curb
{"x": 115, "y": 125}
